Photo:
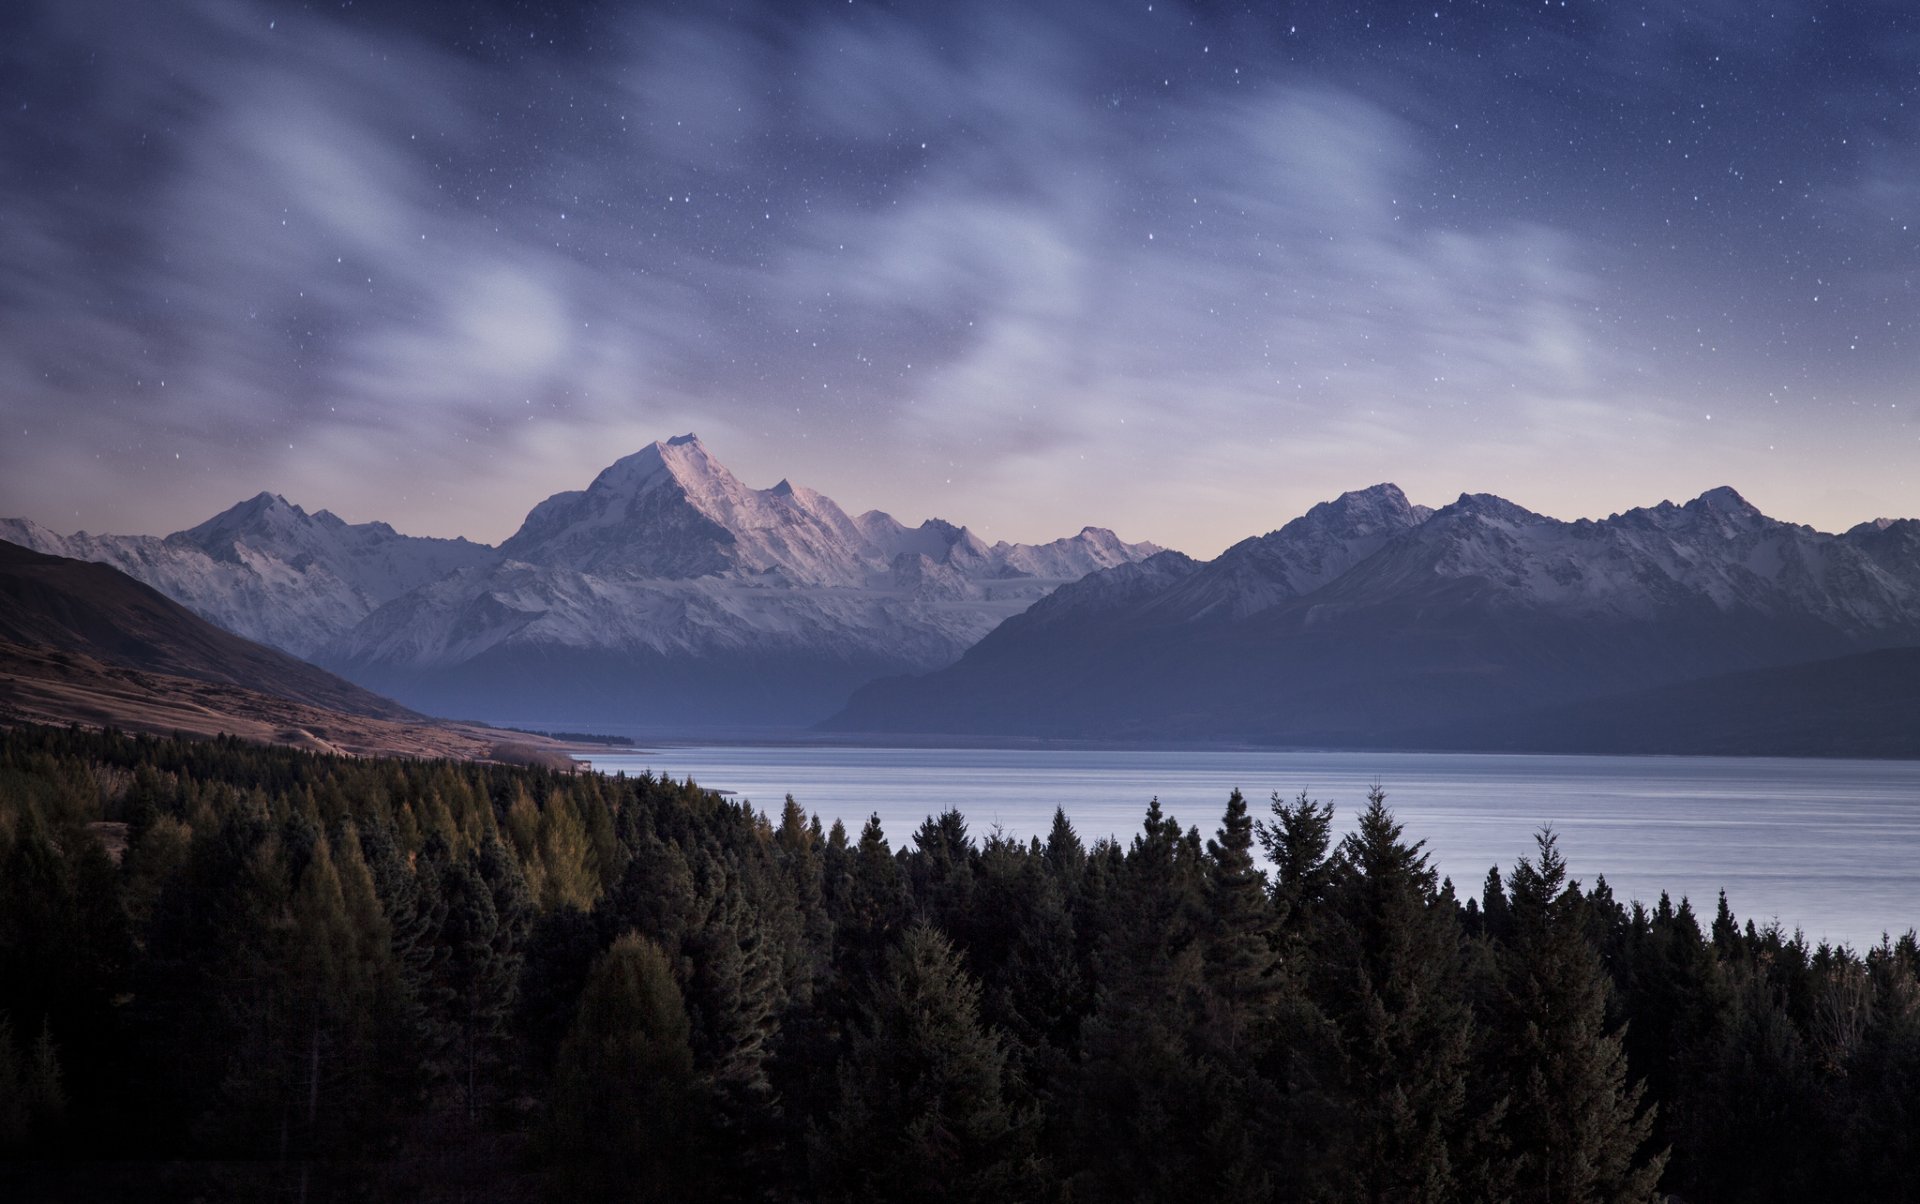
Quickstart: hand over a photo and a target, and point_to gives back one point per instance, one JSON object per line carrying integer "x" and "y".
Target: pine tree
{"x": 1297, "y": 843}
{"x": 567, "y": 857}
{"x": 1389, "y": 972}
{"x": 877, "y": 904}
{"x": 1249, "y": 1000}
{"x": 1041, "y": 994}
{"x": 624, "y": 1082}
{"x": 923, "y": 1110}
{"x": 1141, "y": 1093}
{"x": 560, "y": 953}
{"x": 940, "y": 875}
{"x": 475, "y": 982}
{"x": 1065, "y": 853}
{"x": 1238, "y": 934}
{"x": 341, "y": 990}
{"x": 797, "y": 843}
{"x": 1577, "y": 1123}
{"x": 730, "y": 975}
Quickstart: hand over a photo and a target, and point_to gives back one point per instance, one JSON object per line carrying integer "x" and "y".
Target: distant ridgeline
{"x": 238, "y": 972}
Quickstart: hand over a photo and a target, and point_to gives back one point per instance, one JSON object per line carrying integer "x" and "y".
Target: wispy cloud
{"x": 1031, "y": 269}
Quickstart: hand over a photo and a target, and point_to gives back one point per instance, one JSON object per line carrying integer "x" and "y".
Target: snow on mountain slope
{"x": 268, "y": 570}
{"x": 1368, "y": 619}
{"x": 671, "y": 511}
{"x": 1715, "y": 554}
{"x": 1297, "y": 559}
{"x": 667, "y": 558}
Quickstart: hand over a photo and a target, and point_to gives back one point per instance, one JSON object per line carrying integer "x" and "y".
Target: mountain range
{"x": 667, "y": 595}
{"x": 267, "y": 570}
{"x": 78, "y": 607}
{"x": 1370, "y": 621}
{"x": 85, "y": 643}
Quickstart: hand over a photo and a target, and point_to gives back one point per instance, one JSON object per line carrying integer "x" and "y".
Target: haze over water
{"x": 1825, "y": 846}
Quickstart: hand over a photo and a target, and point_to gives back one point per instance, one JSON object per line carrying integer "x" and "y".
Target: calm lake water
{"x": 1830, "y": 847}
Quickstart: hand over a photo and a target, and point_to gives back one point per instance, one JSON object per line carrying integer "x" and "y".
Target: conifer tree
{"x": 624, "y": 1082}
{"x": 567, "y": 857}
{"x": 730, "y": 973}
{"x": 1297, "y": 842}
{"x": 1141, "y": 1092}
{"x": 797, "y": 847}
{"x": 1578, "y": 1125}
{"x": 1389, "y": 971}
{"x": 923, "y": 1111}
{"x": 1041, "y": 994}
{"x": 941, "y": 874}
{"x": 560, "y": 953}
{"x": 1065, "y": 853}
{"x": 339, "y": 990}
{"x": 475, "y": 980}
{"x": 1496, "y": 916}
{"x": 1242, "y": 967}
{"x": 877, "y": 904}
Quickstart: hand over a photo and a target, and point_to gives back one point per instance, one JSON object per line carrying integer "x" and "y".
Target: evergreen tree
{"x": 1577, "y": 1123}
{"x": 1238, "y": 934}
{"x": 877, "y": 904}
{"x": 797, "y": 844}
{"x": 476, "y": 979}
{"x": 923, "y": 1112}
{"x": 1066, "y": 855}
{"x": 940, "y": 876}
{"x": 1389, "y": 973}
{"x": 1141, "y": 1093}
{"x": 1297, "y": 843}
{"x": 560, "y": 953}
{"x": 623, "y": 1086}
{"x": 730, "y": 973}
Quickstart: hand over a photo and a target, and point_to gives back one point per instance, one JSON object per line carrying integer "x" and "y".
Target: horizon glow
{"x": 1152, "y": 267}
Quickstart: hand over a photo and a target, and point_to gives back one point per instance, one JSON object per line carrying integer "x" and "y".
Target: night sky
{"x": 1181, "y": 270}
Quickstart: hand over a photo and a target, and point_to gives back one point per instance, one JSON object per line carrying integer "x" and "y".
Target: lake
{"x": 1831, "y": 847}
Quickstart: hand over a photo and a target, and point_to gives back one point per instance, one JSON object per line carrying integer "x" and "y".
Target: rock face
{"x": 671, "y": 595}
{"x": 1369, "y": 621}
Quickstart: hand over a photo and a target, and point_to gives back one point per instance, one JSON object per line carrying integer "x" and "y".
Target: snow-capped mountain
{"x": 1369, "y": 620}
{"x": 267, "y": 570}
{"x": 666, "y": 591}
{"x": 1299, "y": 558}
{"x": 669, "y": 592}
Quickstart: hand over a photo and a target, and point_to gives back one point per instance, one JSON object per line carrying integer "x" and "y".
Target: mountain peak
{"x": 260, "y": 503}
{"x": 1385, "y": 491}
{"x": 1724, "y": 499}
{"x": 1491, "y": 507}
{"x": 257, "y": 514}
{"x": 1377, "y": 509}
{"x": 1726, "y": 508}
{"x": 682, "y": 459}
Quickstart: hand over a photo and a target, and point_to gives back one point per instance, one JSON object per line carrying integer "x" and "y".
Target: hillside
{"x": 1369, "y": 619}
{"x": 1865, "y": 705}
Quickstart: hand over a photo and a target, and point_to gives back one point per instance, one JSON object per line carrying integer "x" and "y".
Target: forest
{"x": 230, "y": 971}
